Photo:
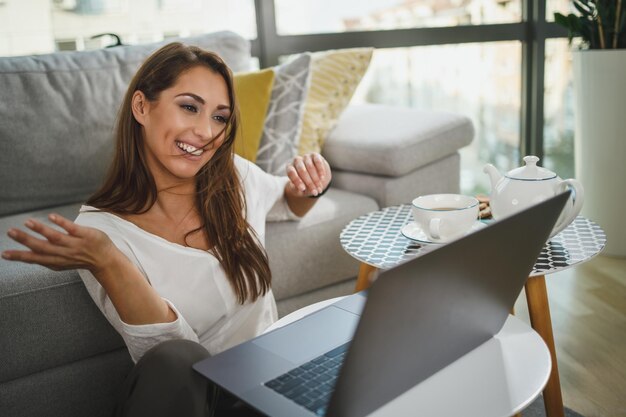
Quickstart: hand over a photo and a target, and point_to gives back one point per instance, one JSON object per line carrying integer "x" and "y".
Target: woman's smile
{"x": 190, "y": 149}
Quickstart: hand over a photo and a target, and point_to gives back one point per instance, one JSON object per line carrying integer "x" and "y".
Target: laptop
{"x": 352, "y": 357}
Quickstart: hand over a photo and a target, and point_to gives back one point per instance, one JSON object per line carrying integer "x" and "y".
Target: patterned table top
{"x": 375, "y": 239}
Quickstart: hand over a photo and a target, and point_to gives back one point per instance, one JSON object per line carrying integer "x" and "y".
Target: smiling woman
{"x": 183, "y": 124}
{"x": 171, "y": 248}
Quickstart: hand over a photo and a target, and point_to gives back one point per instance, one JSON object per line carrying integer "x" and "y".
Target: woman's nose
{"x": 204, "y": 129}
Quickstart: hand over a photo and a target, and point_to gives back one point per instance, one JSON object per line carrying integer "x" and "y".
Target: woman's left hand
{"x": 309, "y": 175}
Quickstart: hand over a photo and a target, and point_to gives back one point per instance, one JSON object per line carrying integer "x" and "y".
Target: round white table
{"x": 497, "y": 379}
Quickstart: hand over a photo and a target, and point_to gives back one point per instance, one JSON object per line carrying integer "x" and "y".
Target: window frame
{"x": 532, "y": 32}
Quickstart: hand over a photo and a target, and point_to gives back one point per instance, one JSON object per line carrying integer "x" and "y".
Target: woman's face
{"x": 179, "y": 127}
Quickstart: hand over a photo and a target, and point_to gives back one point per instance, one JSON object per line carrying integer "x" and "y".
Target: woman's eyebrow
{"x": 201, "y": 100}
{"x": 193, "y": 96}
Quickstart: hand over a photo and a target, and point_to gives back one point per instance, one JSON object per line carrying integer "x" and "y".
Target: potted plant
{"x": 600, "y": 112}
{"x": 601, "y": 23}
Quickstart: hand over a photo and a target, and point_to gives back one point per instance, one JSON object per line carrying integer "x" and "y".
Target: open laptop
{"x": 354, "y": 356}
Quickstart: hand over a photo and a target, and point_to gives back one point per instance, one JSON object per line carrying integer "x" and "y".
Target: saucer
{"x": 414, "y": 232}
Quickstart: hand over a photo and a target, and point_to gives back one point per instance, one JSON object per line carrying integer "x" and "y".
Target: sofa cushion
{"x": 57, "y": 113}
{"x": 335, "y": 75}
{"x": 48, "y": 319}
{"x": 253, "y": 90}
{"x": 440, "y": 176}
{"x": 314, "y": 241}
{"x": 393, "y": 140}
{"x": 88, "y": 387}
{"x": 283, "y": 123}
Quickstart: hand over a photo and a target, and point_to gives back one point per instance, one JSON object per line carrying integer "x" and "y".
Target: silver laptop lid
{"x": 426, "y": 313}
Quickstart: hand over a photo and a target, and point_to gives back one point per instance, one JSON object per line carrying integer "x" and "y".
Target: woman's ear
{"x": 139, "y": 105}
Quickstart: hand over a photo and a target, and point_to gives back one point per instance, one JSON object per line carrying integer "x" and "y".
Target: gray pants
{"x": 163, "y": 384}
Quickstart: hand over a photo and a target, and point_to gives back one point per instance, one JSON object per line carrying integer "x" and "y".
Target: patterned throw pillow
{"x": 253, "y": 91}
{"x": 335, "y": 74}
{"x": 283, "y": 122}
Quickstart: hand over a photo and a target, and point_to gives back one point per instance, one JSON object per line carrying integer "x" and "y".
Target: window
{"x": 294, "y": 17}
{"x": 42, "y": 26}
{"x": 559, "y": 109}
{"x": 25, "y": 28}
{"x": 562, "y": 6}
{"x": 480, "y": 80}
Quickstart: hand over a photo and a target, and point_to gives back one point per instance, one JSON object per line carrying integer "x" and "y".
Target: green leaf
{"x": 589, "y": 14}
{"x": 587, "y": 33}
{"x": 584, "y": 9}
{"x": 575, "y": 23}
{"x": 584, "y": 4}
{"x": 562, "y": 20}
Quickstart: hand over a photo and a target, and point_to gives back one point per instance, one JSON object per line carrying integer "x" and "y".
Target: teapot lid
{"x": 531, "y": 171}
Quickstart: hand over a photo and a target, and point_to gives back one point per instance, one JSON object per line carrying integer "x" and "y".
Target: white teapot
{"x": 529, "y": 185}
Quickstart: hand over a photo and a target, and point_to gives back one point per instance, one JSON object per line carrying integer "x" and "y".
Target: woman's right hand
{"x": 79, "y": 248}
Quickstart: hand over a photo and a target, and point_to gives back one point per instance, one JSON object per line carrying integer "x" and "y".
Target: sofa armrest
{"x": 392, "y": 140}
{"x": 394, "y": 154}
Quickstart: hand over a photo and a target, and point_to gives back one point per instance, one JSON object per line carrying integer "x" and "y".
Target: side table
{"x": 376, "y": 241}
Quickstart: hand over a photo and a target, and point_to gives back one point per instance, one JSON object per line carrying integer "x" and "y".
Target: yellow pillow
{"x": 253, "y": 91}
{"x": 335, "y": 74}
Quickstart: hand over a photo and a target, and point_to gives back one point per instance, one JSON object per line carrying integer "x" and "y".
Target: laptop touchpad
{"x": 311, "y": 336}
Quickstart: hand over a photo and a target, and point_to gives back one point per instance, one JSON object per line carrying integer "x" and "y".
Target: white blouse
{"x": 190, "y": 280}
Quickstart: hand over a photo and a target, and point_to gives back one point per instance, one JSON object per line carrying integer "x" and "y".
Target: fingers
{"x": 53, "y": 236}
{"x": 31, "y": 242}
{"x": 53, "y": 262}
{"x": 304, "y": 167}
{"x": 323, "y": 169}
{"x": 309, "y": 173}
{"x": 46, "y": 252}
{"x": 69, "y": 226}
{"x": 80, "y": 247}
{"x": 296, "y": 182}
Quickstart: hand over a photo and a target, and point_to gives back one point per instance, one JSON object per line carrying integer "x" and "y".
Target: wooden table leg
{"x": 539, "y": 312}
{"x": 365, "y": 277}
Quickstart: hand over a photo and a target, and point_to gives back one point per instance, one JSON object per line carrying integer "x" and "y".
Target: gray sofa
{"x": 58, "y": 355}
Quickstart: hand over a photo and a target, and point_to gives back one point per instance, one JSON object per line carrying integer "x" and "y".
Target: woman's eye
{"x": 221, "y": 119}
{"x": 189, "y": 107}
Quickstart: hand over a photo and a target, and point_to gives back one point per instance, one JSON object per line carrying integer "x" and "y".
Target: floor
{"x": 588, "y": 306}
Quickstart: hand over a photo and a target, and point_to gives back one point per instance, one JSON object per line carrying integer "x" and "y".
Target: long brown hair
{"x": 129, "y": 187}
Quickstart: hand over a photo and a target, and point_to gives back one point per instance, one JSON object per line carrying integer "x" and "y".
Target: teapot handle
{"x": 570, "y": 213}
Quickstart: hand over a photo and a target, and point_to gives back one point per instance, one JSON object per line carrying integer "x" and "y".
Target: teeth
{"x": 189, "y": 148}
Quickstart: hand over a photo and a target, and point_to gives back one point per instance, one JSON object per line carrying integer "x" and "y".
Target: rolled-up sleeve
{"x": 138, "y": 338}
{"x": 265, "y": 193}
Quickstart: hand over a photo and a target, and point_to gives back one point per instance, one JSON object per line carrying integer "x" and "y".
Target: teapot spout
{"x": 494, "y": 174}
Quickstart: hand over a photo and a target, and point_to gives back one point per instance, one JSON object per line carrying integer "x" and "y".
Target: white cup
{"x": 445, "y": 217}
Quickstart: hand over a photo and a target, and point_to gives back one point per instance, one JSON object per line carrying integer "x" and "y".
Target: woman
{"x": 171, "y": 247}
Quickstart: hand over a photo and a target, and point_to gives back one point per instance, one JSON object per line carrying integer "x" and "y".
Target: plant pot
{"x": 600, "y": 140}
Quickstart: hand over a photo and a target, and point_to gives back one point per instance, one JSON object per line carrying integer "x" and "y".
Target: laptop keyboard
{"x": 311, "y": 384}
